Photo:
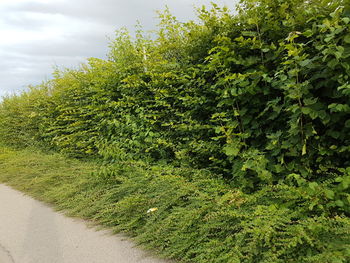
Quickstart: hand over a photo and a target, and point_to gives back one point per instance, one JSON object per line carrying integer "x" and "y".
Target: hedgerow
{"x": 259, "y": 97}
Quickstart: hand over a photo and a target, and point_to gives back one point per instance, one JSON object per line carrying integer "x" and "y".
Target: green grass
{"x": 40, "y": 174}
{"x": 198, "y": 217}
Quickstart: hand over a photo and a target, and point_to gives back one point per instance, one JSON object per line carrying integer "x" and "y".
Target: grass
{"x": 40, "y": 174}
{"x": 196, "y": 216}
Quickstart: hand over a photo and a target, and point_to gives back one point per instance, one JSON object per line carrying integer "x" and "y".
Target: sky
{"x": 38, "y": 35}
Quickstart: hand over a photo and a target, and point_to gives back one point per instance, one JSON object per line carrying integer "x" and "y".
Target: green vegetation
{"x": 235, "y": 128}
{"x": 199, "y": 218}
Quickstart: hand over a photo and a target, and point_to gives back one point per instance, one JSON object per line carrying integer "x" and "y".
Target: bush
{"x": 259, "y": 99}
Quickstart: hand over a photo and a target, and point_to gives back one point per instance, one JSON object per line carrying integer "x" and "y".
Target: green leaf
{"x": 313, "y": 185}
{"x": 332, "y": 63}
{"x": 327, "y": 39}
{"x": 251, "y": 21}
{"x": 309, "y": 101}
{"x": 305, "y": 62}
{"x": 304, "y": 150}
{"x": 308, "y": 33}
{"x": 329, "y": 194}
{"x": 338, "y": 179}
{"x": 347, "y": 39}
{"x": 339, "y": 203}
{"x": 345, "y": 183}
{"x": 305, "y": 110}
{"x": 249, "y": 33}
{"x": 346, "y": 20}
{"x": 231, "y": 150}
{"x": 338, "y": 54}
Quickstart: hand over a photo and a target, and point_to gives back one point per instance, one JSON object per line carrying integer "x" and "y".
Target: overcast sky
{"x": 36, "y": 35}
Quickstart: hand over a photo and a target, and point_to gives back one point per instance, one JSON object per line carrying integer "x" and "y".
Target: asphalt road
{"x": 31, "y": 232}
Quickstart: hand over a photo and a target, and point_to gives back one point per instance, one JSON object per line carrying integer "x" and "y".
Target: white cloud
{"x": 39, "y": 34}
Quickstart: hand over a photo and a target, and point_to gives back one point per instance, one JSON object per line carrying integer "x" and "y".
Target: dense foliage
{"x": 196, "y": 217}
{"x": 260, "y": 98}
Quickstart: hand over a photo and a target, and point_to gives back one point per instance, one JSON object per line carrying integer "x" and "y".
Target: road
{"x": 31, "y": 232}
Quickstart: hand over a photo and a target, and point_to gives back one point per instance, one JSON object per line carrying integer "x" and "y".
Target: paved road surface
{"x": 31, "y": 232}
